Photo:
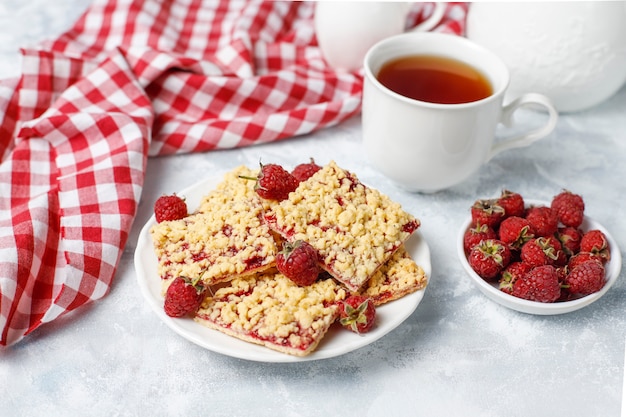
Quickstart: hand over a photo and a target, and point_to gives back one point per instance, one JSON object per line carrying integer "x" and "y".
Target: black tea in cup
{"x": 435, "y": 79}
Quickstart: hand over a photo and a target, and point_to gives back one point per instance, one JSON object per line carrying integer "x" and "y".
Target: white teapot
{"x": 572, "y": 52}
{"x": 345, "y": 30}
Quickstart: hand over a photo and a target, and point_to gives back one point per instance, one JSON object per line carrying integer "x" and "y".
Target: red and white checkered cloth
{"x": 131, "y": 79}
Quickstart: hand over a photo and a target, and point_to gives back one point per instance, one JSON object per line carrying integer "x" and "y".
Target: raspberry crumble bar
{"x": 225, "y": 238}
{"x": 270, "y": 310}
{"x": 354, "y": 228}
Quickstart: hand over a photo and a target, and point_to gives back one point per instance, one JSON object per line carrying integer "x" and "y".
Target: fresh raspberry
{"x": 515, "y": 231}
{"x": 561, "y": 257}
{"x": 541, "y": 251}
{"x": 303, "y": 172}
{"x": 487, "y": 212}
{"x": 569, "y": 208}
{"x": 540, "y": 284}
{"x": 570, "y": 239}
{"x": 586, "y": 278}
{"x": 512, "y": 203}
{"x": 595, "y": 241}
{"x": 475, "y": 234}
{"x": 510, "y": 274}
{"x": 183, "y": 296}
{"x": 582, "y": 257}
{"x": 489, "y": 258}
{"x": 544, "y": 220}
{"x": 566, "y": 295}
{"x": 562, "y": 273}
{"x": 274, "y": 182}
{"x": 298, "y": 262}
{"x": 170, "y": 207}
{"x": 357, "y": 313}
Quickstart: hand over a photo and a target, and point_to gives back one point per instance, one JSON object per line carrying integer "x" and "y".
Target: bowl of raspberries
{"x": 538, "y": 257}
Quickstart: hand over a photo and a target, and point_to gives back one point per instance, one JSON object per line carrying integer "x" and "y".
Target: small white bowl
{"x": 612, "y": 268}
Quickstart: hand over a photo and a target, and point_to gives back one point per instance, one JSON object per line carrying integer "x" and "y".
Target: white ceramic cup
{"x": 428, "y": 147}
{"x": 345, "y": 30}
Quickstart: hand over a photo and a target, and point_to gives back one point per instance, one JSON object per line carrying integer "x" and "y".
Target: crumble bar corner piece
{"x": 400, "y": 276}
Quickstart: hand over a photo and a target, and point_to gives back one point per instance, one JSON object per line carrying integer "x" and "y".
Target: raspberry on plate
{"x": 303, "y": 172}
{"x": 274, "y": 182}
{"x": 183, "y": 296}
{"x": 357, "y": 313}
{"x": 298, "y": 262}
{"x": 170, "y": 207}
{"x": 539, "y": 284}
{"x": 489, "y": 258}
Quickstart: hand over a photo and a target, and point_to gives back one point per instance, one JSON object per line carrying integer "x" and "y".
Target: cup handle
{"x": 525, "y": 139}
{"x": 433, "y": 20}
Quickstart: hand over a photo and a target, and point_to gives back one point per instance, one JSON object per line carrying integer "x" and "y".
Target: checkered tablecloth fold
{"x": 133, "y": 79}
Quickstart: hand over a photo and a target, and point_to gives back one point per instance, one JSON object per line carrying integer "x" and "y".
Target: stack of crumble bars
{"x": 234, "y": 236}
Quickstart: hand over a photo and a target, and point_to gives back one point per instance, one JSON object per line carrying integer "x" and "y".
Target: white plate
{"x": 612, "y": 269}
{"x": 336, "y": 342}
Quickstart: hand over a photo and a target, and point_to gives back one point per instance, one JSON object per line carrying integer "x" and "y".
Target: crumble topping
{"x": 234, "y": 188}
